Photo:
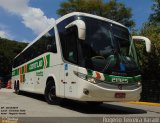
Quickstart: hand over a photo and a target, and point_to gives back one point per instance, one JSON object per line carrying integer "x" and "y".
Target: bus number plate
{"x": 120, "y": 95}
{"x": 119, "y": 80}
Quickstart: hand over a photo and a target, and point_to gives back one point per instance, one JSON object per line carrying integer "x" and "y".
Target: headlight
{"x": 85, "y": 77}
{"x": 80, "y": 75}
{"x": 91, "y": 79}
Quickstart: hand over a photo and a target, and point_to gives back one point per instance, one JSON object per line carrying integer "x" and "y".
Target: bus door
{"x": 70, "y": 82}
{"x": 71, "y": 56}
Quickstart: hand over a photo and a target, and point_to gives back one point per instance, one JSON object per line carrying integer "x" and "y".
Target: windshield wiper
{"x": 108, "y": 62}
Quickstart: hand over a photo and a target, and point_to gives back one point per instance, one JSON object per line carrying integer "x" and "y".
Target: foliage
{"x": 155, "y": 17}
{"x": 112, "y": 10}
{"x": 150, "y": 63}
{"x": 8, "y": 50}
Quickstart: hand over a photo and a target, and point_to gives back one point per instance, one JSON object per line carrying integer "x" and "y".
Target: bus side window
{"x": 51, "y": 41}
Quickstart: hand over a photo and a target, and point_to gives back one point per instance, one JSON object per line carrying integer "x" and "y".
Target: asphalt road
{"x": 28, "y": 105}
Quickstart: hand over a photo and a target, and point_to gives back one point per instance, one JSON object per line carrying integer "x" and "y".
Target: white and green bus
{"x": 81, "y": 57}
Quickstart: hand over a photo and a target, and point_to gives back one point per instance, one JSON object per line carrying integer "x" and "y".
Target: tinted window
{"x": 63, "y": 34}
{"x": 71, "y": 53}
{"x": 46, "y": 43}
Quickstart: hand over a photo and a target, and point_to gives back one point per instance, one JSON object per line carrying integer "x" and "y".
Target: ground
{"x": 30, "y": 105}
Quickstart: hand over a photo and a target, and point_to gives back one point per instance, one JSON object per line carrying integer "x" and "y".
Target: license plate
{"x": 120, "y": 95}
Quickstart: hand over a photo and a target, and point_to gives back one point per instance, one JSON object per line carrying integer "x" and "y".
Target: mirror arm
{"x": 81, "y": 28}
{"x": 147, "y": 42}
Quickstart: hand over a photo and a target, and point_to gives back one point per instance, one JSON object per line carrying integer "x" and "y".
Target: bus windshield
{"x": 107, "y": 46}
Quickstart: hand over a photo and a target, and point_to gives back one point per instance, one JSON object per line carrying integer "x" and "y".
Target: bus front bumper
{"x": 96, "y": 93}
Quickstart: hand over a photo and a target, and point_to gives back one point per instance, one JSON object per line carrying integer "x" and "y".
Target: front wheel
{"x": 50, "y": 94}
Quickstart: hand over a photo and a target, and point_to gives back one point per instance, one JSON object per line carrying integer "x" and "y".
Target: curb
{"x": 145, "y": 103}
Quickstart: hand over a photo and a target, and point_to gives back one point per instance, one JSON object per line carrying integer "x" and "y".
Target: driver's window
{"x": 71, "y": 45}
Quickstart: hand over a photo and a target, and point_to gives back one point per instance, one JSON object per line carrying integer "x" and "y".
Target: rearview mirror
{"x": 146, "y": 40}
{"x": 81, "y": 28}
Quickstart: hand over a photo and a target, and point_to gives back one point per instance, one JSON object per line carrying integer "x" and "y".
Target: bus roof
{"x": 88, "y": 15}
{"x": 64, "y": 17}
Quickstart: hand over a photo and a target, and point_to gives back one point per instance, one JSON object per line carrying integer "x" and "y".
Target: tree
{"x": 155, "y": 17}
{"x": 151, "y": 29}
{"x": 8, "y": 50}
{"x": 150, "y": 63}
{"x": 112, "y": 10}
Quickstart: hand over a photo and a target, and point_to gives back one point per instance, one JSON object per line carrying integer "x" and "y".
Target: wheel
{"x": 16, "y": 86}
{"x": 50, "y": 93}
{"x": 92, "y": 103}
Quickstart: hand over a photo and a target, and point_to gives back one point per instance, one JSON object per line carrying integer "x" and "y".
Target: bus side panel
{"x": 49, "y": 71}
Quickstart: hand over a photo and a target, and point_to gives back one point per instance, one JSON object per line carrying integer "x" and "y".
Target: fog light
{"x": 139, "y": 84}
{"x": 86, "y": 91}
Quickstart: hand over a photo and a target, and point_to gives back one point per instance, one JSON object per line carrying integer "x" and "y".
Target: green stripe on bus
{"x": 15, "y": 72}
{"x": 108, "y": 78}
{"x": 90, "y": 72}
{"x": 23, "y": 70}
{"x": 48, "y": 60}
{"x": 34, "y": 66}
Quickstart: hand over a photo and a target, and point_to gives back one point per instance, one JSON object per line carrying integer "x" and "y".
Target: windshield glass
{"x": 121, "y": 37}
{"x": 100, "y": 40}
{"x": 107, "y": 46}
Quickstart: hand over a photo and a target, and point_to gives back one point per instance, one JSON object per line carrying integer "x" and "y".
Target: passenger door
{"x": 71, "y": 55}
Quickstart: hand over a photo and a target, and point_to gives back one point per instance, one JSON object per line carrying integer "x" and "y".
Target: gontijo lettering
{"x": 41, "y": 63}
{"x": 35, "y": 65}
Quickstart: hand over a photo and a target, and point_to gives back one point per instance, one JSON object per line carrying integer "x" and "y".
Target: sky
{"x": 24, "y": 20}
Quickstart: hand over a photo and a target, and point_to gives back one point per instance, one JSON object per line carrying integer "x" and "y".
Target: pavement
{"x": 136, "y": 103}
{"x": 33, "y": 108}
{"x": 6, "y": 90}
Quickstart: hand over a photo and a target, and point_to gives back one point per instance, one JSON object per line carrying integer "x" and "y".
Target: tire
{"x": 15, "y": 85}
{"x": 50, "y": 93}
{"x": 93, "y": 103}
{"x": 17, "y": 91}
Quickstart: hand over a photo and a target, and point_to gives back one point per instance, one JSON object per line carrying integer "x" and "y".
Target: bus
{"x": 81, "y": 57}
